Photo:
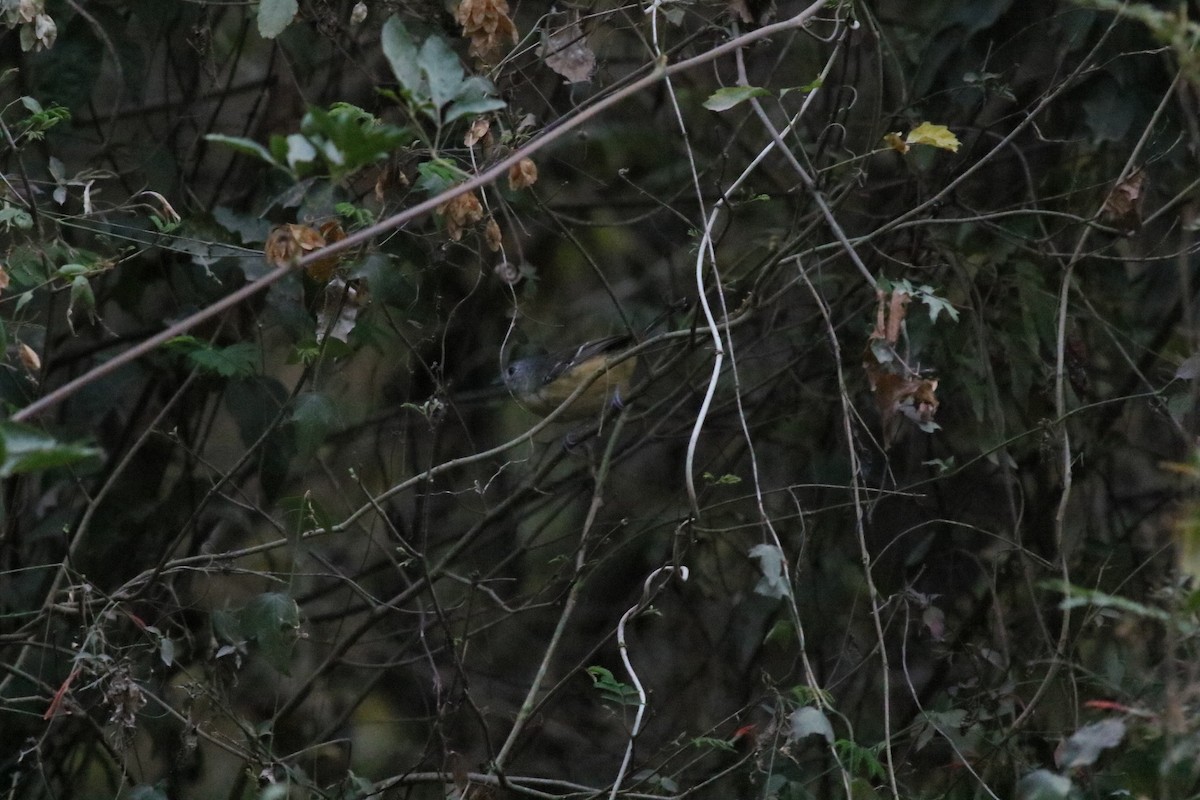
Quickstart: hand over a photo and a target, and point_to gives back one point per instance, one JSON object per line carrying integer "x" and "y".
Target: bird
{"x": 541, "y": 383}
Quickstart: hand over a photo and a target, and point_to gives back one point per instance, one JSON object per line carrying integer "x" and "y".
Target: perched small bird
{"x": 542, "y": 383}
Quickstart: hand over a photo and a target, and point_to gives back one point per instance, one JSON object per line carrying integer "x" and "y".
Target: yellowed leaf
{"x": 934, "y": 136}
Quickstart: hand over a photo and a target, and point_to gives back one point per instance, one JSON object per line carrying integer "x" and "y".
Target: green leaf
{"x": 1076, "y": 596}
{"x": 712, "y": 743}
{"x": 783, "y": 632}
{"x": 228, "y": 362}
{"x": 249, "y": 229}
{"x": 442, "y": 69}
{"x": 82, "y": 296}
{"x": 437, "y": 175}
{"x": 348, "y": 137}
{"x": 274, "y": 16}
{"x": 935, "y": 304}
{"x": 475, "y": 96}
{"x": 244, "y": 146}
{"x": 401, "y": 52}
{"x": 807, "y": 88}
{"x": 15, "y": 217}
{"x": 859, "y": 759}
{"x": 25, "y": 449}
{"x": 272, "y": 620}
{"x": 730, "y": 96}
{"x": 314, "y": 416}
{"x": 71, "y": 270}
{"x": 611, "y": 689}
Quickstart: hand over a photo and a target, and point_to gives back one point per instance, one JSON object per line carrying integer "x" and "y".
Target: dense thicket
{"x": 900, "y": 504}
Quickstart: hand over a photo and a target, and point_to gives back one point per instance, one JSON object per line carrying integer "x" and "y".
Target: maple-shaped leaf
{"x": 934, "y": 136}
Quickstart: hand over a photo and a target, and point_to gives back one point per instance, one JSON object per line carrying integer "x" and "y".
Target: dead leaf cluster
{"x": 460, "y": 213}
{"x": 289, "y": 242}
{"x": 900, "y": 391}
{"x": 487, "y": 24}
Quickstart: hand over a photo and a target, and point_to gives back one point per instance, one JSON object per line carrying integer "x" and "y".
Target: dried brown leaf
{"x": 322, "y": 269}
{"x": 565, "y": 50}
{"x": 460, "y": 213}
{"x": 480, "y": 129}
{"x": 1123, "y": 206}
{"x": 487, "y": 24}
{"x": 522, "y": 174}
{"x": 492, "y": 235}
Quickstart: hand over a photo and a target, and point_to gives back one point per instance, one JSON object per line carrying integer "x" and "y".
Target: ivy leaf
{"x": 274, "y": 16}
{"x": 730, "y": 96}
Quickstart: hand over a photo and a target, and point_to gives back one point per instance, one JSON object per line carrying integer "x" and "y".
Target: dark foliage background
{"x": 932, "y": 497}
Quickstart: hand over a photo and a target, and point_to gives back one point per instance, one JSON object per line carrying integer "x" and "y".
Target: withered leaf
{"x": 287, "y": 243}
{"x": 1123, "y": 206}
{"x": 322, "y": 269}
{"x": 565, "y": 50}
{"x": 522, "y": 174}
{"x": 487, "y": 24}
{"x": 460, "y": 213}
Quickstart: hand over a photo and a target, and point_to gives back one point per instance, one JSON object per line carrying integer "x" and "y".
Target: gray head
{"x": 525, "y": 376}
